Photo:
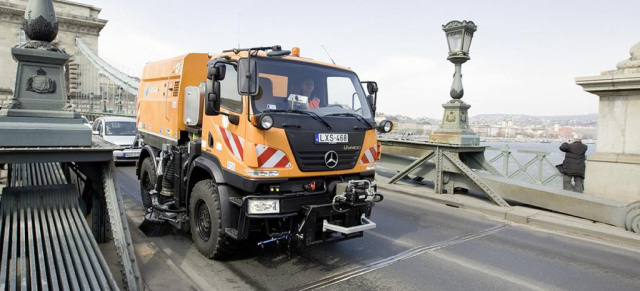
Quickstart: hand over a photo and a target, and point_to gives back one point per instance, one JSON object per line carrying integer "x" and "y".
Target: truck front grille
{"x": 314, "y": 160}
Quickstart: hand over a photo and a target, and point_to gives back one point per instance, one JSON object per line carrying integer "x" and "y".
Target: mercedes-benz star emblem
{"x": 331, "y": 159}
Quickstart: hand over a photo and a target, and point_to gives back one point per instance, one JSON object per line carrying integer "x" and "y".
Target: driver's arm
{"x": 314, "y": 103}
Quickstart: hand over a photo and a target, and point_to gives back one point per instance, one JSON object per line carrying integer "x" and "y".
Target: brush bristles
{"x": 155, "y": 229}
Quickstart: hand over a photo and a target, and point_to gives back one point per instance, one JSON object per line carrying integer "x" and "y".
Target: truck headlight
{"x": 265, "y": 122}
{"x": 263, "y": 206}
{"x": 385, "y": 126}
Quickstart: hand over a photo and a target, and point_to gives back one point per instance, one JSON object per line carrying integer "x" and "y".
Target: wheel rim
{"x": 203, "y": 220}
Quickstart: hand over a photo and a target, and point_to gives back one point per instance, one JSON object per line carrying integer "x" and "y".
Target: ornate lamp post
{"x": 459, "y": 35}
{"x": 454, "y": 128}
{"x": 91, "y": 102}
{"x": 119, "y": 100}
{"x": 103, "y": 98}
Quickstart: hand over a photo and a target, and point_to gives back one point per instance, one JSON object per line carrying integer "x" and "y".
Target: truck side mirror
{"x": 372, "y": 98}
{"x": 216, "y": 70}
{"x": 247, "y": 77}
{"x": 212, "y": 98}
{"x": 372, "y": 87}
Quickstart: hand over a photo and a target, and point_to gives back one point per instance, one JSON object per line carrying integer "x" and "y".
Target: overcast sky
{"x": 524, "y": 57}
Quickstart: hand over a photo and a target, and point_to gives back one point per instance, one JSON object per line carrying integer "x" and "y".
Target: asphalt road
{"x": 417, "y": 245}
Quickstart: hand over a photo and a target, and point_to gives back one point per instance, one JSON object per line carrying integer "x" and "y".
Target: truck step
{"x": 232, "y": 232}
{"x": 237, "y": 201}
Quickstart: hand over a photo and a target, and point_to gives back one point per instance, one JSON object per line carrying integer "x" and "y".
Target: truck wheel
{"x": 147, "y": 181}
{"x": 205, "y": 220}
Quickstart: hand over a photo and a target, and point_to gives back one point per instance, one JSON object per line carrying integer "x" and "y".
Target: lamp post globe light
{"x": 459, "y": 36}
{"x": 454, "y": 129}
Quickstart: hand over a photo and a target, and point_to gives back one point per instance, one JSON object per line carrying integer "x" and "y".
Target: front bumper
{"x": 366, "y": 224}
{"x": 312, "y": 218}
{"x": 323, "y": 223}
{"x": 126, "y": 155}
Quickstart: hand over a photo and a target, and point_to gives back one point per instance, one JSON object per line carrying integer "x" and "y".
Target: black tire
{"x": 147, "y": 181}
{"x": 205, "y": 220}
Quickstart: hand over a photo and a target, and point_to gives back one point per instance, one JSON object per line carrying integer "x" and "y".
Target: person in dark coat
{"x": 573, "y": 166}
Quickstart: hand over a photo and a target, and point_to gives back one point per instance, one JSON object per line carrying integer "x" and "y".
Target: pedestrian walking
{"x": 573, "y": 166}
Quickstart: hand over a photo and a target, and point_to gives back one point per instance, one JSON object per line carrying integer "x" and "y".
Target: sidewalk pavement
{"x": 518, "y": 214}
{"x": 158, "y": 271}
{"x": 164, "y": 267}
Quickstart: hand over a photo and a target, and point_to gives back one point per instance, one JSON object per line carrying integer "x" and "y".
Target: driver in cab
{"x": 307, "y": 87}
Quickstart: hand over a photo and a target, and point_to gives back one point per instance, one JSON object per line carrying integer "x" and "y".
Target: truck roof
{"x": 244, "y": 54}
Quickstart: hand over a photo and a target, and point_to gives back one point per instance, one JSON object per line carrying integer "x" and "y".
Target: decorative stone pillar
{"x": 40, "y": 80}
{"x": 39, "y": 112}
{"x": 454, "y": 128}
{"x": 613, "y": 171}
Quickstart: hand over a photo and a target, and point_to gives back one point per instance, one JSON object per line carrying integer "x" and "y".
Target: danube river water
{"x": 523, "y": 153}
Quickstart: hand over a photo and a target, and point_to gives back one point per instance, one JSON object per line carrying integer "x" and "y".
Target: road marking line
{"x": 410, "y": 253}
{"x": 491, "y": 271}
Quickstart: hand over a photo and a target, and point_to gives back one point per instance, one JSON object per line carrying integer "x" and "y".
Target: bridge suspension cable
{"x": 98, "y": 88}
{"x": 128, "y": 83}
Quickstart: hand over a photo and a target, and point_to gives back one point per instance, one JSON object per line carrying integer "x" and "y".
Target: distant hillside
{"x": 518, "y": 119}
{"x": 530, "y": 120}
{"x": 592, "y": 116}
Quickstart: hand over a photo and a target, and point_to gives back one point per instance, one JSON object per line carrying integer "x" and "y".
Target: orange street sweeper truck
{"x": 256, "y": 141}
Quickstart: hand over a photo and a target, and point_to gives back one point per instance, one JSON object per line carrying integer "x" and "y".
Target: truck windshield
{"x": 289, "y": 85}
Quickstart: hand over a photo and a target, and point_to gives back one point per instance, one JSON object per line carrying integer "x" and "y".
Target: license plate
{"x": 131, "y": 155}
{"x": 332, "y": 138}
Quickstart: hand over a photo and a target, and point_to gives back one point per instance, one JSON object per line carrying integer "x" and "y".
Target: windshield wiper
{"x": 303, "y": 112}
{"x": 357, "y": 116}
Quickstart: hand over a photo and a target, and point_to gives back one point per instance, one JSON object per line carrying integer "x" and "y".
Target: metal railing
{"x": 544, "y": 171}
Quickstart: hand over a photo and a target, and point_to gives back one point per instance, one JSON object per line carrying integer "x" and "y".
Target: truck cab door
{"x": 224, "y": 133}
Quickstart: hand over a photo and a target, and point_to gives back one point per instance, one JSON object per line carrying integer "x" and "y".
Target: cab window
{"x": 341, "y": 92}
{"x": 229, "y": 97}
{"x": 324, "y": 90}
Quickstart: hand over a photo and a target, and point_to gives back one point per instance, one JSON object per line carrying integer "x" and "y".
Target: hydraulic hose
{"x": 167, "y": 179}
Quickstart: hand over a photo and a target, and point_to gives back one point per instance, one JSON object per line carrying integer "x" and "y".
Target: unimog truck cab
{"x": 257, "y": 140}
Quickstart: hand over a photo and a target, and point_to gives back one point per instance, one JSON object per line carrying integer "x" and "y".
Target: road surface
{"x": 417, "y": 245}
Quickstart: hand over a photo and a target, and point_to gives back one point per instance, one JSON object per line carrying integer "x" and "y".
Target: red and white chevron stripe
{"x": 369, "y": 156}
{"x": 269, "y": 157}
{"x": 234, "y": 143}
{"x": 138, "y": 117}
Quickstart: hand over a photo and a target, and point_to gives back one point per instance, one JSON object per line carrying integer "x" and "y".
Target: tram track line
{"x": 410, "y": 253}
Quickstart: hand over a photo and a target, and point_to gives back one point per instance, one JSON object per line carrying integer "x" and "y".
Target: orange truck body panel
{"x": 160, "y": 96}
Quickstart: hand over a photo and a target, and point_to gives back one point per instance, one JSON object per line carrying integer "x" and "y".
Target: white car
{"x": 120, "y": 131}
